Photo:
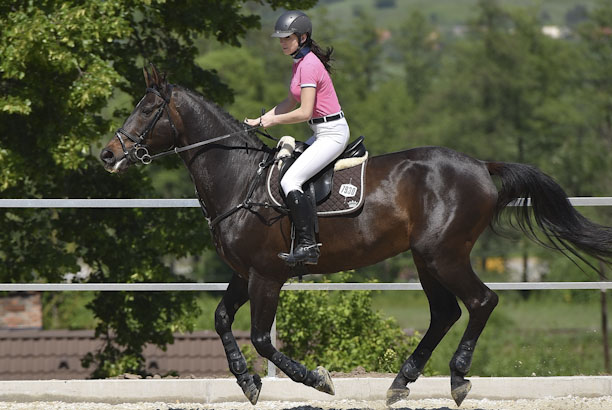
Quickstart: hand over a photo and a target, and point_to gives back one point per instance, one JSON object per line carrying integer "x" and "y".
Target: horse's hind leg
{"x": 264, "y": 294}
{"x": 235, "y": 296}
{"x": 444, "y": 312}
{"x": 451, "y": 267}
{"x": 480, "y": 302}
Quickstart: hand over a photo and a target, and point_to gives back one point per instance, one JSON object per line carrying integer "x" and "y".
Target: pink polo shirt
{"x": 309, "y": 71}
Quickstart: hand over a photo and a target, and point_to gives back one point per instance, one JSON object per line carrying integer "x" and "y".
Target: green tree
{"x": 494, "y": 86}
{"x": 60, "y": 63}
{"x": 421, "y": 46}
{"x": 593, "y": 82}
{"x": 505, "y": 93}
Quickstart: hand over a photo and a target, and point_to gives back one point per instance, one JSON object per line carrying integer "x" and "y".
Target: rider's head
{"x": 294, "y": 22}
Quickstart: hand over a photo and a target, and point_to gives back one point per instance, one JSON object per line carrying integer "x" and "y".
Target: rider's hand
{"x": 253, "y": 122}
{"x": 264, "y": 121}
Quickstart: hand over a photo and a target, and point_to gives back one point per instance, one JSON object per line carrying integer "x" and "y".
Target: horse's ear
{"x": 147, "y": 76}
{"x": 153, "y": 78}
{"x": 156, "y": 77}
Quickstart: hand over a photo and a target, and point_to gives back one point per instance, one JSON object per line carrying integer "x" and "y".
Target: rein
{"x": 177, "y": 150}
{"x": 140, "y": 152}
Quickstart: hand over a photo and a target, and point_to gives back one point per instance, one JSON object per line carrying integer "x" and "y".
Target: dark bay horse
{"x": 431, "y": 200}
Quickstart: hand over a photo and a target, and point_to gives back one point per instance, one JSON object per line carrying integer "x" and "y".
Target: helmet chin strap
{"x": 303, "y": 49}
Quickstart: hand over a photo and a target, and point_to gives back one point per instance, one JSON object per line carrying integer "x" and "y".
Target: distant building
{"x": 21, "y": 310}
{"x": 29, "y": 353}
{"x": 56, "y": 354}
{"x": 460, "y": 30}
{"x": 536, "y": 269}
{"x": 555, "y": 32}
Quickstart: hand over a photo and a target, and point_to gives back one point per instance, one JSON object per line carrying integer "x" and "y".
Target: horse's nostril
{"x": 107, "y": 156}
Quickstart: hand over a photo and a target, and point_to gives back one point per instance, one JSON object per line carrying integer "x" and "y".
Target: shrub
{"x": 339, "y": 330}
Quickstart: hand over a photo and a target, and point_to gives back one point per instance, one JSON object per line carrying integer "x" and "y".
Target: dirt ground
{"x": 565, "y": 403}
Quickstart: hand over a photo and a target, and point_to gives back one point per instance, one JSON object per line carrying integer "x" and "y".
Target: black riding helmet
{"x": 293, "y": 22}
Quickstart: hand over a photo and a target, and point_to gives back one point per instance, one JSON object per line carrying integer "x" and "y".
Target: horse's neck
{"x": 220, "y": 171}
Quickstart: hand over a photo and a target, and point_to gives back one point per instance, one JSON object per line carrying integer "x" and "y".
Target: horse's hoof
{"x": 394, "y": 395}
{"x": 251, "y": 388}
{"x": 460, "y": 391}
{"x": 325, "y": 383}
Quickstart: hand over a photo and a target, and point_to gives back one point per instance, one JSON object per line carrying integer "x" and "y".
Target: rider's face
{"x": 290, "y": 44}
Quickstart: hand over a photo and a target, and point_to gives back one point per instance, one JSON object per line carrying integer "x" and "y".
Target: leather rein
{"x": 140, "y": 153}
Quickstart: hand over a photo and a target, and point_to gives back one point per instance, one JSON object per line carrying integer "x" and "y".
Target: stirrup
{"x": 306, "y": 257}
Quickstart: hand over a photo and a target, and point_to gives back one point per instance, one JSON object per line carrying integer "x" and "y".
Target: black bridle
{"x": 139, "y": 152}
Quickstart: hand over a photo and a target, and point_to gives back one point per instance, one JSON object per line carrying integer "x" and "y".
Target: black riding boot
{"x": 302, "y": 213}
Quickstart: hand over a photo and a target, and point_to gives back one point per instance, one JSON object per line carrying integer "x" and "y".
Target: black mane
{"x": 225, "y": 118}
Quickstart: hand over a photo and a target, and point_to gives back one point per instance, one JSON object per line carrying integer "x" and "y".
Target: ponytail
{"x": 324, "y": 56}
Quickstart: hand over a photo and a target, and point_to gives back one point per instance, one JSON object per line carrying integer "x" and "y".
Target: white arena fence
{"x": 202, "y": 287}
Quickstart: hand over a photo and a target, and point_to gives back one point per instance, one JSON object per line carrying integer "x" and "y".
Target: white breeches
{"x": 327, "y": 143}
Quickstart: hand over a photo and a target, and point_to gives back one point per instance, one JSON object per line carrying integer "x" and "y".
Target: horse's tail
{"x": 564, "y": 228}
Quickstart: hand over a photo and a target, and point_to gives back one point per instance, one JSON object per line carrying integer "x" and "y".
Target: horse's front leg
{"x": 264, "y": 294}
{"x": 235, "y": 296}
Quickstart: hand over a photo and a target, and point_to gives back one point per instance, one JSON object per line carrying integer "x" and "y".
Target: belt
{"x": 327, "y": 118}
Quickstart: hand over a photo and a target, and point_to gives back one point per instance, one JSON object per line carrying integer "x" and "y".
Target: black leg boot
{"x": 302, "y": 214}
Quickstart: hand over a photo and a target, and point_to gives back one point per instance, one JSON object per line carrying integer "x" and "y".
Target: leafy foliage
{"x": 60, "y": 64}
{"x": 341, "y": 331}
{"x": 498, "y": 90}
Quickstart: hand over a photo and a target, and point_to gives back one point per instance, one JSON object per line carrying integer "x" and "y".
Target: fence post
{"x": 604, "y": 320}
{"x": 271, "y": 366}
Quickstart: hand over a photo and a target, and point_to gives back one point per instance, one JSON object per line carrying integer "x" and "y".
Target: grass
{"x": 549, "y": 310}
{"x": 552, "y": 333}
{"x": 67, "y": 310}
{"x": 208, "y": 303}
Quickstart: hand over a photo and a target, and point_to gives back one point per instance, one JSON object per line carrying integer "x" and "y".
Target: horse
{"x": 431, "y": 200}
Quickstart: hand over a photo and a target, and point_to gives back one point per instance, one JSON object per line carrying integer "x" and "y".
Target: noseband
{"x": 139, "y": 152}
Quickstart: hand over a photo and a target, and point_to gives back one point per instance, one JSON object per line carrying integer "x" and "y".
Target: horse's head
{"x": 148, "y": 130}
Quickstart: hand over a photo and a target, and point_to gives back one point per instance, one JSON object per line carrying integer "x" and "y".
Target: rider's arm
{"x": 285, "y": 106}
{"x": 301, "y": 114}
{"x": 283, "y": 113}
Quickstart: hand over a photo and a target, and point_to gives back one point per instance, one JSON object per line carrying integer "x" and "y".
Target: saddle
{"x": 320, "y": 187}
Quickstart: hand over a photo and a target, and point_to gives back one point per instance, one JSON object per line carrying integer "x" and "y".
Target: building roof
{"x": 56, "y": 354}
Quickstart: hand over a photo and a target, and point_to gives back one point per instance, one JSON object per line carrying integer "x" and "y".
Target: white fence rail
{"x": 207, "y": 287}
{"x": 190, "y": 203}
{"x": 200, "y": 287}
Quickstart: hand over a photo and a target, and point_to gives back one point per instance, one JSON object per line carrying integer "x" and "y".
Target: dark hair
{"x": 324, "y": 56}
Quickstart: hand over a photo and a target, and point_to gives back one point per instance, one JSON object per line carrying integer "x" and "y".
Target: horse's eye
{"x": 147, "y": 111}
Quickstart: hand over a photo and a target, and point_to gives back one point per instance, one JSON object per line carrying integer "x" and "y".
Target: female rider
{"x": 312, "y": 88}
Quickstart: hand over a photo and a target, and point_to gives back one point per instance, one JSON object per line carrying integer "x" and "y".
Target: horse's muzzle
{"x": 108, "y": 157}
{"x": 112, "y": 163}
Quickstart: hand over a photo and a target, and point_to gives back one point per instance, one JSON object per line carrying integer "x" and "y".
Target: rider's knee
{"x": 289, "y": 184}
